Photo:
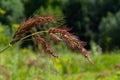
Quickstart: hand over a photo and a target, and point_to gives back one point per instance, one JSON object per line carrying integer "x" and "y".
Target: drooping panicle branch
{"x": 30, "y": 23}
{"x": 45, "y": 46}
{"x": 68, "y": 38}
{"x": 55, "y": 38}
{"x": 72, "y": 41}
{"x": 56, "y": 34}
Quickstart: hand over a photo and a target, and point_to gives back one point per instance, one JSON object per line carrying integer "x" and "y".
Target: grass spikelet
{"x": 56, "y": 34}
{"x": 67, "y": 37}
{"x": 55, "y": 38}
{"x": 72, "y": 41}
{"x": 45, "y": 46}
{"x": 26, "y": 26}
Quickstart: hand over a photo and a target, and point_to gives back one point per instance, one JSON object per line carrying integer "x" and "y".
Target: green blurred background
{"x": 93, "y": 21}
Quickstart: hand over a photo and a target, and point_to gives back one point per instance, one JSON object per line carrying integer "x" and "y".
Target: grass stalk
{"x": 10, "y": 45}
{"x": 5, "y": 48}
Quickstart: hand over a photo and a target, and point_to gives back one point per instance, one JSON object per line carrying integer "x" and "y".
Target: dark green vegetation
{"x": 88, "y": 19}
{"x": 95, "y": 21}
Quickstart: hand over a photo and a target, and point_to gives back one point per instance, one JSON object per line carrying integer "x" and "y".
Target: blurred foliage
{"x": 43, "y": 7}
{"x": 52, "y": 7}
{"x": 109, "y": 31}
{"x": 24, "y": 64}
{"x": 2, "y": 11}
{"x": 49, "y": 10}
{"x": 95, "y": 49}
{"x": 5, "y": 35}
{"x": 84, "y": 16}
{"x": 12, "y": 10}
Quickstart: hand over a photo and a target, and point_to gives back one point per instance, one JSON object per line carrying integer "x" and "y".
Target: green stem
{"x": 22, "y": 39}
{"x": 5, "y": 48}
{"x": 33, "y": 34}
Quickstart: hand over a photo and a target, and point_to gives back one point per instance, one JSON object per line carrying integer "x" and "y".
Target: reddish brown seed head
{"x": 30, "y": 23}
{"x": 45, "y": 46}
{"x": 72, "y": 41}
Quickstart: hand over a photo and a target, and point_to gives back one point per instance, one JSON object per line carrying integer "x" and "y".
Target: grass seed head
{"x": 72, "y": 41}
{"x": 45, "y": 46}
{"x": 30, "y": 23}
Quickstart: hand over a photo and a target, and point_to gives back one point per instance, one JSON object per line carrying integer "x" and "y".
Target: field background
{"x": 24, "y": 64}
{"x": 96, "y": 22}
